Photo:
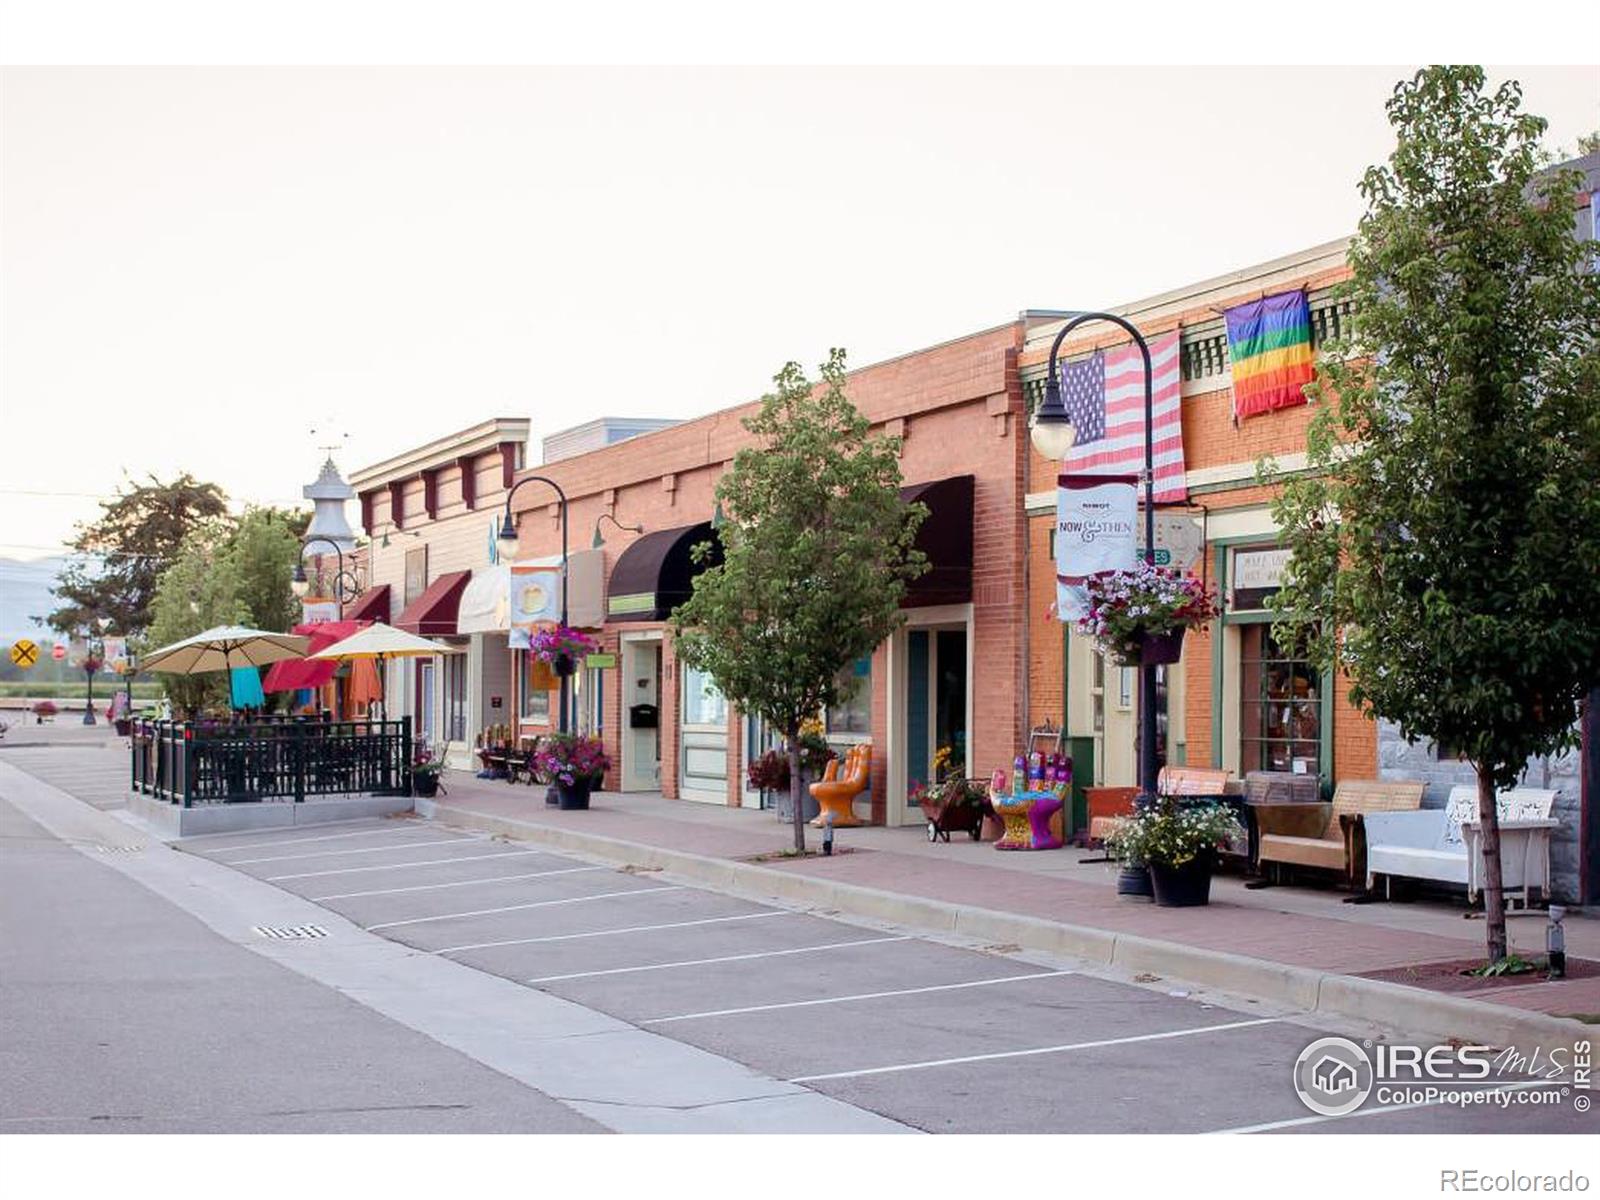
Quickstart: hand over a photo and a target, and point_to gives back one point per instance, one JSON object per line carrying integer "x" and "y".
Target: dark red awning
{"x": 433, "y": 614}
{"x": 371, "y": 605}
{"x": 293, "y": 674}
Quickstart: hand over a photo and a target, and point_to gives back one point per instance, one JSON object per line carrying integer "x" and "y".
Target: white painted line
{"x": 428, "y": 887}
{"x": 568, "y": 937}
{"x": 1292, "y": 1122}
{"x": 326, "y": 837}
{"x": 246, "y": 862}
{"x": 916, "y": 991}
{"x": 726, "y": 958}
{"x": 237, "y": 833}
{"x": 970, "y": 1058}
{"x": 489, "y": 912}
{"x": 432, "y": 862}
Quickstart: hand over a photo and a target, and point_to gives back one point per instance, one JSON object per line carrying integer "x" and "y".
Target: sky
{"x": 220, "y": 270}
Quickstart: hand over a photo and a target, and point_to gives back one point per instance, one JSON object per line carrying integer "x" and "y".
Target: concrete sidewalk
{"x": 1290, "y": 944}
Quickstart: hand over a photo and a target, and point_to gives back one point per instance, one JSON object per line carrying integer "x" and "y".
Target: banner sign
{"x": 314, "y": 610}
{"x": 1096, "y": 527}
{"x": 535, "y": 594}
{"x": 116, "y": 660}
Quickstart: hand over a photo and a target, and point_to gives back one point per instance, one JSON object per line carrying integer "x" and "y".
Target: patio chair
{"x": 835, "y": 793}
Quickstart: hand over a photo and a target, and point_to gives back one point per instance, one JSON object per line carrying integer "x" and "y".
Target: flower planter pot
{"x": 123, "y": 727}
{"x": 1158, "y": 648}
{"x": 809, "y": 808}
{"x": 1185, "y": 886}
{"x": 565, "y": 665}
{"x": 574, "y": 795}
{"x": 425, "y": 785}
{"x": 1134, "y": 880}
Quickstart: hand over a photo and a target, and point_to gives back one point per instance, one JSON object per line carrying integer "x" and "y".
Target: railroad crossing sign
{"x": 24, "y": 653}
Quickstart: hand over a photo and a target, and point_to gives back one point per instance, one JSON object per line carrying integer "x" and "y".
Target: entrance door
{"x": 703, "y": 736}
{"x": 936, "y": 707}
{"x": 427, "y": 716}
{"x": 641, "y": 715}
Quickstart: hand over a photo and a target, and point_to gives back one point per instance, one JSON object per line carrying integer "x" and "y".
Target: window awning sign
{"x": 1096, "y": 533}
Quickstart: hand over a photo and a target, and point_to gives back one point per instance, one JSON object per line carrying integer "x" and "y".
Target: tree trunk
{"x": 1494, "y": 896}
{"x": 797, "y": 792}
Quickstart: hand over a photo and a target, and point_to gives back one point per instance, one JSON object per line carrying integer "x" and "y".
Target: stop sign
{"x": 58, "y": 651}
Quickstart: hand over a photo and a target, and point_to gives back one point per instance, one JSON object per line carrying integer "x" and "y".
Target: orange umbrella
{"x": 363, "y": 686}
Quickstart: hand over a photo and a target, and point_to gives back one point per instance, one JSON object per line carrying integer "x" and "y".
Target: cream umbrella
{"x": 382, "y": 642}
{"x": 223, "y": 648}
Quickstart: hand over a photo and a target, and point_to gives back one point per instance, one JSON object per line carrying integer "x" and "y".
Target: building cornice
{"x": 442, "y": 452}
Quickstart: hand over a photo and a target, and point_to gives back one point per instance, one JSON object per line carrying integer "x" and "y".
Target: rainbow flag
{"x": 1269, "y": 343}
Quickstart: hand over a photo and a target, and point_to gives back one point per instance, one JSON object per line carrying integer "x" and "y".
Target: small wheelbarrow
{"x": 958, "y": 805}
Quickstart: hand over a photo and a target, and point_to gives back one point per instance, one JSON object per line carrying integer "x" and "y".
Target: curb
{"x": 1417, "y": 1012}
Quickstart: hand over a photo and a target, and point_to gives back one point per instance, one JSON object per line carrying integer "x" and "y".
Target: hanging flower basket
{"x": 1139, "y": 617}
{"x": 561, "y": 647}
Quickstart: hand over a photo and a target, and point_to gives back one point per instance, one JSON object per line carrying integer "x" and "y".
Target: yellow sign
{"x": 24, "y": 653}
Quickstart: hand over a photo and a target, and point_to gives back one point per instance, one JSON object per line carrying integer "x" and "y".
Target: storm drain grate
{"x": 291, "y": 931}
{"x": 119, "y": 849}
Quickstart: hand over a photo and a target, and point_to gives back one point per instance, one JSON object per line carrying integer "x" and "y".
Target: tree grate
{"x": 290, "y": 932}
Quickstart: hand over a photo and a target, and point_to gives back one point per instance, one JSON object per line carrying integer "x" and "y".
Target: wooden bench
{"x": 1191, "y": 781}
{"x": 1330, "y": 837}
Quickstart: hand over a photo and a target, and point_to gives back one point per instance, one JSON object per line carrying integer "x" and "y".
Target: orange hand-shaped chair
{"x": 840, "y": 785}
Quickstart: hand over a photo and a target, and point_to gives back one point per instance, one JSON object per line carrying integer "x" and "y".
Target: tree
{"x": 817, "y": 551}
{"x": 200, "y": 589}
{"x": 260, "y": 553}
{"x": 125, "y": 549}
{"x": 1447, "y": 540}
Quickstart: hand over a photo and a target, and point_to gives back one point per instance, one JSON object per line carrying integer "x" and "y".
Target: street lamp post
{"x": 1053, "y": 436}
{"x": 508, "y": 539}
{"x": 91, "y": 664}
{"x": 302, "y": 586}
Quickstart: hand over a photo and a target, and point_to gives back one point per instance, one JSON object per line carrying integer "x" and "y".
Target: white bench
{"x": 1444, "y": 844}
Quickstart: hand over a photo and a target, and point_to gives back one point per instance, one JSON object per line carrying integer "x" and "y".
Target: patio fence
{"x": 199, "y": 762}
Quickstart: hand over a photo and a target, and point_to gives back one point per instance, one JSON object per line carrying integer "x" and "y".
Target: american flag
{"x": 1104, "y": 397}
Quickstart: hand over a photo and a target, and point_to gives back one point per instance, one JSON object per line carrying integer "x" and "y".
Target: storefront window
{"x": 455, "y": 697}
{"x": 702, "y": 703}
{"x": 853, "y": 713}
{"x": 535, "y": 700}
{"x": 1280, "y": 710}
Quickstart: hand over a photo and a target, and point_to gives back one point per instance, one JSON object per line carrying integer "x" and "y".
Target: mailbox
{"x": 643, "y": 716}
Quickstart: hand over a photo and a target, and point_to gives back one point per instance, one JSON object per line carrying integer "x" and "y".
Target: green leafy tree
{"x": 1447, "y": 542}
{"x": 817, "y": 551}
{"x": 125, "y": 549}
{"x": 260, "y": 553}
{"x": 200, "y": 589}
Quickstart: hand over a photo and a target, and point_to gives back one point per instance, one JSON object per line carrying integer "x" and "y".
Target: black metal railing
{"x": 201, "y": 762}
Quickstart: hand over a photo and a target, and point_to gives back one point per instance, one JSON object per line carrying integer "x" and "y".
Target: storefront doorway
{"x": 930, "y": 726}
{"x": 641, "y": 713}
{"x": 703, "y": 738}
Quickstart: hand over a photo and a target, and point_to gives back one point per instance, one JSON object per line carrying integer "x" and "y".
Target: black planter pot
{"x": 1185, "y": 886}
{"x": 1158, "y": 648}
{"x": 574, "y": 795}
{"x": 1134, "y": 880}
{"x": 425, "y": 784}
{"x": 565, "y": 664}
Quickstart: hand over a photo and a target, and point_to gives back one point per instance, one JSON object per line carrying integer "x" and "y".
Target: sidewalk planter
{"x": 425, "y": 784}
{"x": 574, "y": 795}
{"x": 1162, "y": 648}
{"x": 1185, "y": 886}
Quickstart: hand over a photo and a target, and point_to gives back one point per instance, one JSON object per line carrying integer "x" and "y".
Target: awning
{"x": 654, "y": 575}
{"x": 433, "y": 614}
{"x": 310, "y": 673}
{"x": 486, "y": 602}
{"x": 946, "y": 538}
{"x": 371, "y": 605}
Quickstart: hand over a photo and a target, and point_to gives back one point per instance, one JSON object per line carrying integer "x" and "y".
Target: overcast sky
{"x": 200, "y": 266}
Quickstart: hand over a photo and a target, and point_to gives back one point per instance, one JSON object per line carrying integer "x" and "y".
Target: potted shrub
{"x": 1178, "y": 842}
{"x": 425, "y": 770}
{"x": 44, "y": 710}
{"x": 1139, "y": 617}
{"x": 769, "y": 775}
{"x": 574, "y": 764}
{"x": 561, "y": 647}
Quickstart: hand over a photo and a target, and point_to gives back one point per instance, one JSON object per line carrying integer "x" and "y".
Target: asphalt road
{"x": 939, "y": 1037}
{"x": 124, "y": 1014}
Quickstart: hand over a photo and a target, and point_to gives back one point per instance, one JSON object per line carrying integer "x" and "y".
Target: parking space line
{"x": 432, "y": 862}
{"x": 246, "y": 862}
{"x": 238, "y": 833}
{"x": 326, "y": 837}
{"x": 489, "y": 912}
{"x": 999, "y": 1054}
{"x": 938, "y": 987}
{"x": 428, "y": 887}
{"x": 1292, "y": 1122}
{"x": 726, "y": 958}
{"x": 568, "y": 937}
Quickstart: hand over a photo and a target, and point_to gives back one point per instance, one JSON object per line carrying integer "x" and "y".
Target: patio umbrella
{"x": 222, "y": 649}
{"x": 379, "y": 642}
{"x": 245, "y": 688}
